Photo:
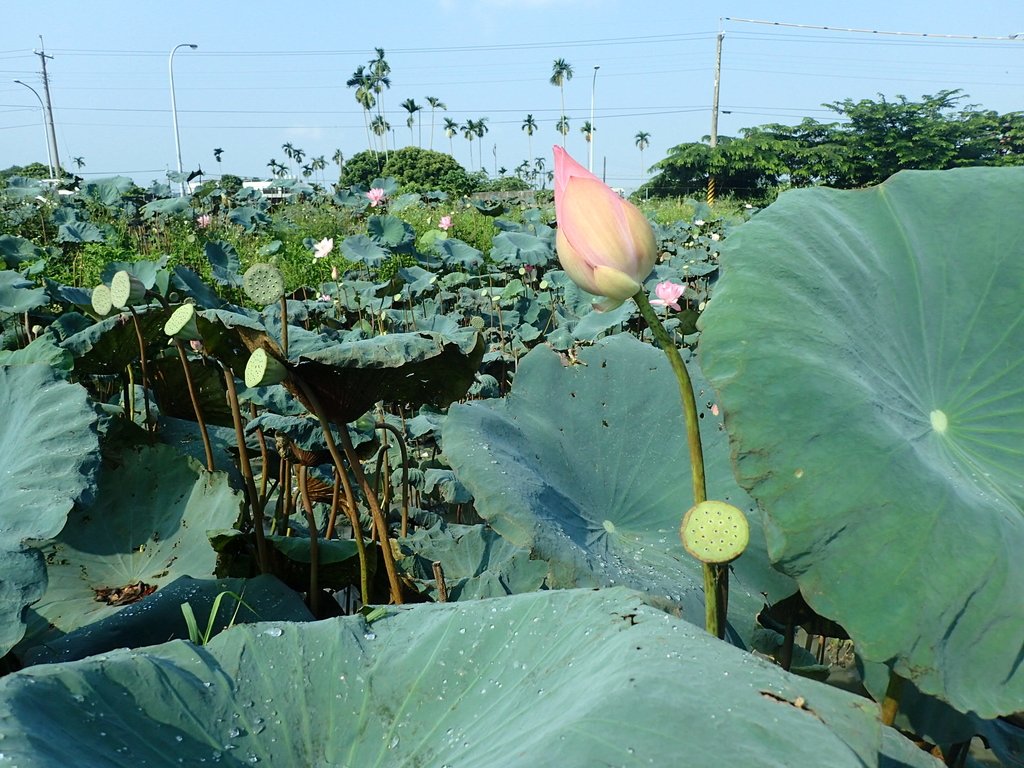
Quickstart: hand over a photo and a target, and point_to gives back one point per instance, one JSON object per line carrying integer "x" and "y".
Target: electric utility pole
{"x": 714, "y": 112}
{"x": 51, "y": 133}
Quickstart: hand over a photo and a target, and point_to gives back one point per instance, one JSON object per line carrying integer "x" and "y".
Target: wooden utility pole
{"x": 51, "y": 133}
{"x": 714, "y": 112}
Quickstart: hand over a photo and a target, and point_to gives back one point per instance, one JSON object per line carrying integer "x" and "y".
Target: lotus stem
{"x": 314, "y": 547}
{"x": 262, "y": 440}
{"x": 714, "y": 583}
{"x": 442, "y": 588}
{"x": 405, "y": 472}
{"x": 150, "y": 426}
{"x": 195, "y": 404}
{"x": 284, "y": 325}
{"x": 891, "y": 702}
{"x": 255, "y": 507}
{"x": 378, "y": 517}
{"x": 339, "y": 466}
{"x": 335, "y": 501}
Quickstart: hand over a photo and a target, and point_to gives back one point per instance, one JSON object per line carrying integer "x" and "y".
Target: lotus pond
{"x": 423, "y": 508}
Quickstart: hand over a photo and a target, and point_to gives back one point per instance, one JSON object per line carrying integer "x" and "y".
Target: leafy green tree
{"x": 561, "y": 73}
{"x": 414, "y": 168}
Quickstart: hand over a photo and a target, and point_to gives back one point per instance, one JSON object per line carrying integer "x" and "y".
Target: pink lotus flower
{"x": 445, "y": 223}
{"x": 604, "y": 243}
{"x": 204, "y": 221}
{"x": 377, "y": 196}
{"x": 668, "y": 294}
{"x": 323, "y": 248}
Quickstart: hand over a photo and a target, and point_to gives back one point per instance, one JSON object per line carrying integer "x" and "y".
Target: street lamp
{"x": 49, "y": 154}
{"x": 590, "y": 152}
{"x": 174, "y": 107}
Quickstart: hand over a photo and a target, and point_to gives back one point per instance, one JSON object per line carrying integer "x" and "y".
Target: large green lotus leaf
{"x": 108, "y": 346}
{"x": 49, "y": 452}
{"x": 420, "y": 368}
{"x": 566, "y": 678}
{"x": 158, "y": 618}
{"x": 476, "y": 561}
{"x": 867, "y": 348}
{"x": 19, "y": 295}
{"x": 147, "y": 526}
{"x": 587, "y": 466}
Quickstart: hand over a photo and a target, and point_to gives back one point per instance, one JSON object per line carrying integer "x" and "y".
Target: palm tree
{"x": 318, "y": 163}
{"x": 217, "y": 152}
{"x": 80, "y": 161}
{"x": 561, "y": 73}
{"x": 410, "y": 106}
{"x": 379, "y": 82}
{"x": 435, "y": 103}
{"x": 643, "y": 140}
{"x": 588, "y": 131}
{"x": 380, "y": 128}
{"x": 339, "y": 160}
{"x": 298, "y": 155}
{"x": 468, "y": 132}
{"x": 538, "y": 169}
{"x": 450, "y": 129}
{"x": 360, "y": 80}
{"x": 562, "y": 126}
{"x": 529, "y": 125}
{"x": 278, "y": 170}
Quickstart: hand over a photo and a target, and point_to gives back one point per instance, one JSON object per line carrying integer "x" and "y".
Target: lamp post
{"x": 49, "y": 154}
{"x": 590, "y": 144}
{"x": 174, "y": 107}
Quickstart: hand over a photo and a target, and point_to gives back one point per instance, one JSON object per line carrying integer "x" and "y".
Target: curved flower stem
{"x": 314, "y": 547}
{"x": 405, "y": 472}
{"x": 716, "y": 583}
{"x": 193, "y": 394}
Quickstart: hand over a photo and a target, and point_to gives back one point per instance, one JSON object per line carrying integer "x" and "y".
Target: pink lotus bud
{"x": 445, "y": 223}
{"x": 604, "y": 243}
{"x": 376, "y": 196}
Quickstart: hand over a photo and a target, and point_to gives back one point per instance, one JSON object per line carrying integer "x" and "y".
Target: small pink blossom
{"x": 668, "y": 294}
{"x": 714, "y": 409}
{"x": 445, "y": 223}
{"x": 324, "y": 297}
{"x": 204, "y": 221}
{"x": 376, "y": 196}
{"x": 323, "y": 248}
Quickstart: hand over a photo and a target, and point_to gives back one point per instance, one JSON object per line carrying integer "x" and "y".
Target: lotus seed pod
{"x": 126, "y": 289}
{"x": 715, "y": 532}
{"x": 263, "y": 369}
{"x": 101, "y": 303}
{"x": 263, "y": 283}
{"x": 182, "y": 324}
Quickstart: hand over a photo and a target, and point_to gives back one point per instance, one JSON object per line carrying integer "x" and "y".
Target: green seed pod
{"x": 263, "y": 369}
{"x": 126, "y": 289}
{"x": 101, "y": 303}
{"x": 182, "y": 323}
{"x": 715, "y": 532}
{"x": 263, "y": 283}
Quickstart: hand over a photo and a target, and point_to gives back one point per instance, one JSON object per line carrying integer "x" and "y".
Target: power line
{"x": 873, "y": 31}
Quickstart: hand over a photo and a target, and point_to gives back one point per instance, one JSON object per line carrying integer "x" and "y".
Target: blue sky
{"x": 266, "y": 73}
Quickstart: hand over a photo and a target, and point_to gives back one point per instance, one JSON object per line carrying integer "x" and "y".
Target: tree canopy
{"x": 870, "y": 141}
{"x": 415, "y": 169}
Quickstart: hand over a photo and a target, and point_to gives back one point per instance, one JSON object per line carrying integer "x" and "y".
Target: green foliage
{"x": 415, "y": 169}
{"x": 871, "y": 141}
